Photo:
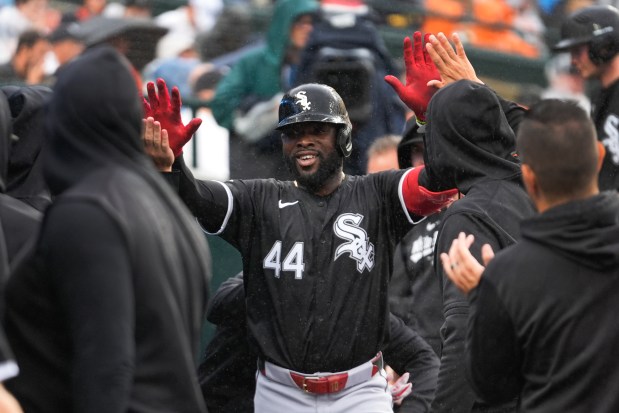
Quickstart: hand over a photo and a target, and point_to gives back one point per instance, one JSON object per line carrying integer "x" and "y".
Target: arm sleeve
{"x": 493, "y": 357}
{"x": 209, "y": 201}
{"x": 513, "y": 112}
{"x": 87, "y": 258}
{"x": 453, "y": 392}
{"x": 408, "y": 352}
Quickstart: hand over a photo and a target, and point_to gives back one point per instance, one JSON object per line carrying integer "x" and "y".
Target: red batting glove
{"x": 419, "y": 71}
{"x": 168, "y": 113}
{"x": 419, "y": 200}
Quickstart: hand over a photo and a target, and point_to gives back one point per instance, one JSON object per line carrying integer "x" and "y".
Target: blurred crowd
{"x": 195, "y": 46}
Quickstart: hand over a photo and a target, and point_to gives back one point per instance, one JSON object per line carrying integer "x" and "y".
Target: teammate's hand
{"x": 420, "y": 71}
{"x": 400, "y": 389}
{"x": 451, "y": 62}
{"x": 168, "y": 112}
{"x": 157, "y": 145}
{"x": 461, "y": 266}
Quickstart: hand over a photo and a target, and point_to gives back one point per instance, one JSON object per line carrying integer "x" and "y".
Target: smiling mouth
{"x": 306, "y": 160}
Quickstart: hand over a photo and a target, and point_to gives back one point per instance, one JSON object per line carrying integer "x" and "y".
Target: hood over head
{"x": 468, "y": 138}
{"x": 93, "y": 120}
{"x": 25, "y": 179}
{"x": 585, "y": 231}
{"x": 285, "y": 12}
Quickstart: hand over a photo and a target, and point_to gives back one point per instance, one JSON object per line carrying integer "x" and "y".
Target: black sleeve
{"x": 228, "y": 304}
{"x": 208, "y": 201}
{"x": 493, "y": 365}
{"x": 453, "y": 391}
{"x": 408, "y": 352}
{"x": 87, "y": 257}
{"x": 513, "y": 112}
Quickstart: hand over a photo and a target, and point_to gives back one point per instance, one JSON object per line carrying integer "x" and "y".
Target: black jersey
{"x": 317, "y": 268}
{"x": 606, "y": 118}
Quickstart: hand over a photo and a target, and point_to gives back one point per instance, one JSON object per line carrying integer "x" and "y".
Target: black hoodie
{"x": 18, "y": 226}
{"x": 470, "y": 145}
{"x": 105, "y": 316}
{"x": 25, "y": 179}
{"x": 543, "y": 322}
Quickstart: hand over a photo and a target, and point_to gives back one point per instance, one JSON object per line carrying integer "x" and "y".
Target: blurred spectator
{"x": 135, "y": 38}
{"x": 247, "y": 99}
{"x": 383, "y": 154}
{"x": 347, "y": 52}
{"x": 492, "y": 24}
{"x": 27, "y": 65}
{"x": 130, "y": 8}
{"x": 66, "y": 43}
{"x": 24, "y": 15}
{"x": 87, "y": 10}
{"x": 230, "y": 38}
{"x": 193, "y": 18}
{"x": 176, "y": 58}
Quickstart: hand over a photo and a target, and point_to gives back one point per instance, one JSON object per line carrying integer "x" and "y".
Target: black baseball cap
{"x": 65, "y": 31}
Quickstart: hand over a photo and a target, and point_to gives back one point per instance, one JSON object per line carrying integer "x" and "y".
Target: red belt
{"x": 325, "y": 384}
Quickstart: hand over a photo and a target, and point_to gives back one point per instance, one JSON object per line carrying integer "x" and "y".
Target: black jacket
{"x": 470, "y": 145}
{"x": 414, "y": 291}
{"x": 105, "y": 315}
{"x": 19, "y": 224}
{"x": 543, "y": 321}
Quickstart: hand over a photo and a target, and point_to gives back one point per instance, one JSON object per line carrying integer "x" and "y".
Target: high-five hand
{"x": 451, "y": 62}
{"x": 157, "y": 145}
{"x": 168, "y": 112}
{"x": 420, "y": 70}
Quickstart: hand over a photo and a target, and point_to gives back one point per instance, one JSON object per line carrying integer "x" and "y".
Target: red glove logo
{"x": 168, "y": 112}
{"x": 419, "y": 71}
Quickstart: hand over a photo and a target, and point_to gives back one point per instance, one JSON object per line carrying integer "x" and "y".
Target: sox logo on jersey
{"x": 358, "y": 247}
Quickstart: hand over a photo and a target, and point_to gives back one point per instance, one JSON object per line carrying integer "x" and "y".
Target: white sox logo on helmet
{"x": 302, "y": 100}
{"x": 358, "y": 247}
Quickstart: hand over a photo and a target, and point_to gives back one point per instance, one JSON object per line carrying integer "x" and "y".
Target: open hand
{"x": 157, "y": 145}
{"x": 461, "y": 266}
{"x": 451, "y": 62}
{"x": 167, "y": 111}
{"x": 420, "y": 71}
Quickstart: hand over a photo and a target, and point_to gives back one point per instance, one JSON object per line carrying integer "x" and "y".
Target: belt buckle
{"x": 305, "y": 378}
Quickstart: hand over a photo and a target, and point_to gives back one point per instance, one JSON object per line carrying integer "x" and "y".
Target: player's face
{"x": 582, "y": 62}
{"x": 310, "y": 152}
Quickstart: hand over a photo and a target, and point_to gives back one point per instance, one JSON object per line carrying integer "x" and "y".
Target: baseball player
{"x": 316, "y": 251}
{"x": 591, "y": 35}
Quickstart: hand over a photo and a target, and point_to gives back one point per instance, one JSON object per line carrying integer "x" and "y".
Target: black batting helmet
{"x": 413, "y": 134}
{"x": 597, "y": 26}
{"x": 314, "y": 102}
